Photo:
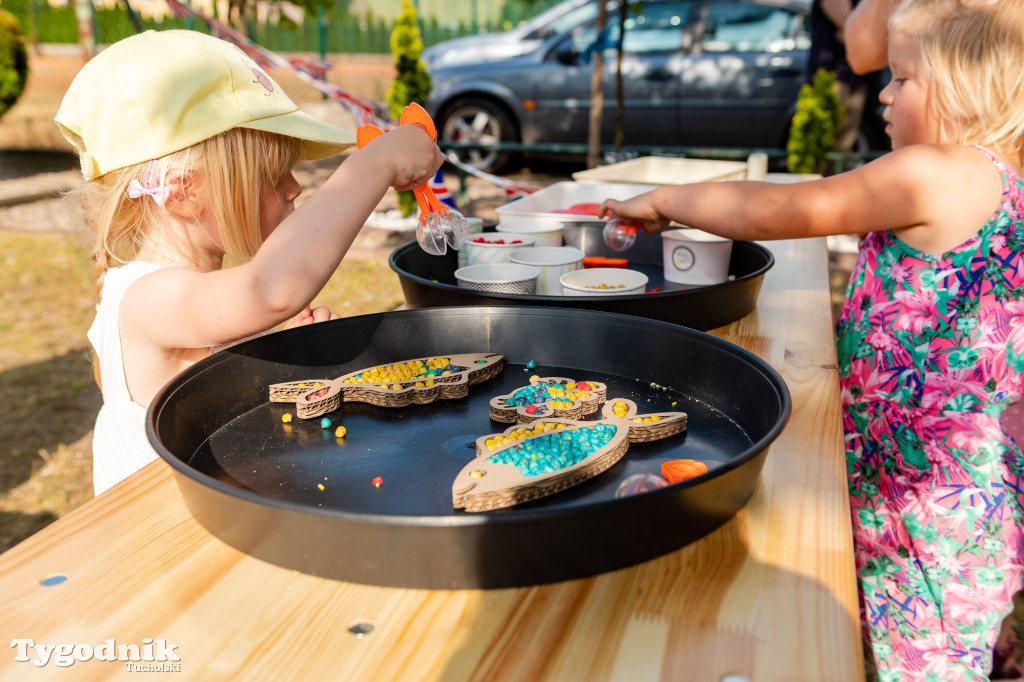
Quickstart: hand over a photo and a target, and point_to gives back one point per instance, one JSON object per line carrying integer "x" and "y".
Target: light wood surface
{"x": 769, "y": 596}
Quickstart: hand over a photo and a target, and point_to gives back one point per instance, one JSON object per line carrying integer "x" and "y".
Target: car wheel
{"x": 479, "y": 121}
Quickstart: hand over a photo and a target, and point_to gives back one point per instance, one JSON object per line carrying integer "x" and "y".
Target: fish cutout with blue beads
{"x": 530, "y": 461}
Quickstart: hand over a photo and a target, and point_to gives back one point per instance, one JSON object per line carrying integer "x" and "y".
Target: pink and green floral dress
{"x": 931, "y": 349}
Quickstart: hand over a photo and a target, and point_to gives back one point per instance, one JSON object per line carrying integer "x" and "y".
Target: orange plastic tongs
{"x": 438, "y": 223}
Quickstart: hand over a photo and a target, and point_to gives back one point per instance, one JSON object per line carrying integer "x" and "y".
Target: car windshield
{"x": 559, "y": 19}
{"x": 739, "y": 26}
{"x": 658, "y": 28}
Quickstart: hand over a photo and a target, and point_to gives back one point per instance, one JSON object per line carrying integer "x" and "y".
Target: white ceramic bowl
{"x": 544, "y": 233}
{"x": 695, "y": 257}
{"x": 493, "y": 247}
{"x": 502, "y": 278}
{"x": 603, "y": 282}
{"x": 552, "y": 261}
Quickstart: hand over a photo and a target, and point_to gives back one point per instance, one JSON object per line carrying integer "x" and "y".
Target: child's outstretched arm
{"x": 934, "y": 196}
{"x": 295, "y": 260}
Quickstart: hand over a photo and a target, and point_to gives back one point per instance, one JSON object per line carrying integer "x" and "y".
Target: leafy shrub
{"x": 812, "y": 133}
{"x": 13, "y": 61}
{"x": 412, "y": 84}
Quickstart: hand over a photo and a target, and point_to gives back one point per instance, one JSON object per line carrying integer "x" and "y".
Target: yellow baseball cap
{"x": 161, "y": 91}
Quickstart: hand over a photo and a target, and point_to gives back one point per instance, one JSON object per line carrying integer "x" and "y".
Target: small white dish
{"x": 603, "y": 282}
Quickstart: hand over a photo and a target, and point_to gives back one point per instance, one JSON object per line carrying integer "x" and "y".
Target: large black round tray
{"x": 252, "y": 480}
{"x": 429, "y": 281}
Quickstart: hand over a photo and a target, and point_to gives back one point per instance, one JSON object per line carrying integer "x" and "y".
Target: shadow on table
{"x": 655, "y": 621}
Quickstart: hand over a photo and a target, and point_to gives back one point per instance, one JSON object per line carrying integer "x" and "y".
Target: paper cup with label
{"x": 695, "y": 257}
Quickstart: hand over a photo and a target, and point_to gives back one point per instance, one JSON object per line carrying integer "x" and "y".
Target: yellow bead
{"x": 340, "y": 432}
{"x": 286, "y": 417}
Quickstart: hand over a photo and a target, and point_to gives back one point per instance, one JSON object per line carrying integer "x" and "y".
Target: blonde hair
{"x": 974, "y": 52}
{"x": 228, "y": 171}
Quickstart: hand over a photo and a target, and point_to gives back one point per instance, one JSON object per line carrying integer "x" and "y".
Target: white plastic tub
{"x": 665, "y": 170}
{"x": 535, "y": 213}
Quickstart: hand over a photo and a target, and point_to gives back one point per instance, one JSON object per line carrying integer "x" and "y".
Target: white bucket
{"x": 695, "y": 257}
{"x": 553, "y": 262}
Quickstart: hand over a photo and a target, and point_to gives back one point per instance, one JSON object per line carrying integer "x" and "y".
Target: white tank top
{"x": 119, "y": 443}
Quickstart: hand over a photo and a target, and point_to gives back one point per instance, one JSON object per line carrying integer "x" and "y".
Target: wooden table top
{"x": 771, "y": 595}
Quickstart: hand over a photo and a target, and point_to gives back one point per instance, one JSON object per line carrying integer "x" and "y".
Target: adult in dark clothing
{"x": 828, "y": 51}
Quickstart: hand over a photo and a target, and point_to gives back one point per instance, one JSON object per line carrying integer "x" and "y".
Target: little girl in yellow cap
{"x": 187, "y": 147}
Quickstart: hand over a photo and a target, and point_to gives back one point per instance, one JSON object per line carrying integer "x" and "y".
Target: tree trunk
{"x": 597, "y": 90}
{"x": 620, "y": 101}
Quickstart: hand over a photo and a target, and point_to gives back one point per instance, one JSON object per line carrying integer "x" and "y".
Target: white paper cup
{"x": 543, "y": 232}
{"x": 695, "y": 257}
{"x": 494, "y": 247}
{"x": 552, "y": 261}
{"x": 502, "y": 278}
{"x": 476, "y": 226}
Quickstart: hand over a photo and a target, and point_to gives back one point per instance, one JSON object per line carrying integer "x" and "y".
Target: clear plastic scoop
{"x": 619, "y": 233}
{"x": 439, "y": 226}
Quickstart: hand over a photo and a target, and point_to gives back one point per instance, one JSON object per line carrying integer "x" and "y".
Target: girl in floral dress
{"x": 931, "y": 337}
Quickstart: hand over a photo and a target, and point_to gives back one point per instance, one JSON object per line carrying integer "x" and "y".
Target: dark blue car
{"x": 702, "y": 73}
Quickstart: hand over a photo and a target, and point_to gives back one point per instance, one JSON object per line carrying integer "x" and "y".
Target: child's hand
{"x": 309, "y": 316}
{"x": 638, "y": 209}
{"x": 409, "y": 154}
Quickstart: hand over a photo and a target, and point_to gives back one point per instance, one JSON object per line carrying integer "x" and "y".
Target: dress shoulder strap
{"x": 1009, "y": 175}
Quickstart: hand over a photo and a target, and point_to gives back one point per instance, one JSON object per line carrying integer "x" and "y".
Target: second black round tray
{"x": 429, "y": 282}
